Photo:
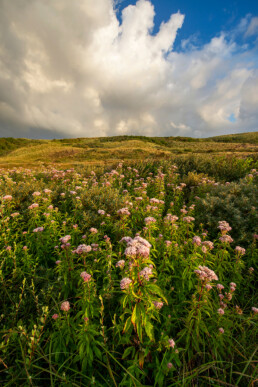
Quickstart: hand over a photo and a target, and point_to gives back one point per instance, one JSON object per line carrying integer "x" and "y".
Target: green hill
{"x": 21, "y": 151}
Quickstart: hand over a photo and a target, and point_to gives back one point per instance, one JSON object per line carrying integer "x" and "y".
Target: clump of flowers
{"x": 197, "y": 241}
{"x": 206, "y": 274}
{"x": 81, "y": 249}
{"x": 38, "y": 229}
{"x": 138, "y": 247}
{"x": 240, "y": 250}
{"x": 171, "y": 218}
{"x": 224, "y": 227}
{"x": 158, "y": 304}
{"x": 208, "y": 244}
{"x": 171, "y": 343}
{"x": 93, "y": 230}
{"x": 65, "y": 239}
{"x": 146, "y": 273}
{"x": 220, "y": 287}
{"x": 149, "y": 220}
{"x": 33, "y": 205}
{"x": 120, "y": 263}
{"x": 85, "y": 276}
{"x": 7, "y": 197}
{"x": 124, "y": 211}
{"x": 188, "y": 219}
{"x": 125, "y": 283}
{"x": 226, "y": 239}
{"x": 65, "y": 306}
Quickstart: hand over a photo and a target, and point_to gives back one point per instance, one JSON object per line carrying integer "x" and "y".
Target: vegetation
{"x": 106, "y": 150}
{"x": 138, "y": 274}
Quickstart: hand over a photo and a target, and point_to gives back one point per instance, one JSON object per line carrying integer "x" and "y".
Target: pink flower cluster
{"x": 206, "y": 274}
{"x": 149, "y": 220}
{"x": 171, "y": 343}
{"x": 240, "y": 250}
{"x": 171, "y": 218}
{"x": 120, "y": 264}
{"x": 188, "y": 219}
{"x": 85, "y": 276}
{"x": 82, "y": 249}
{"x": 226, "y": 239}
{"x": 123, "y": 211}
{"x": 197, "y": 241}
{"x": 65, "y": 239}
{"x": 125, "y": 283}
{"x": 137, "y": 247}
{"x": 7, "y": 197}
{"x": 224, "y": 227}
{"x": 93, "y": 230}
{"x": 208, "y": 244}
{"x": 158, "y": 304}
{"x": 33, "y": 205}
{"x": 146, "y": 273}
{"x": 65, "y": 306}
{"x": 38, "y": 229}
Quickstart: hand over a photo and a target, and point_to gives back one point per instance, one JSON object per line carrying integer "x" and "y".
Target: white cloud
{"x": 253, "y": 27}
{"x": 70, "y": 69}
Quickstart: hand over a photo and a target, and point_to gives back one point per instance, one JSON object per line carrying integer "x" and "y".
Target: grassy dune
{"x": 21, "y": 152}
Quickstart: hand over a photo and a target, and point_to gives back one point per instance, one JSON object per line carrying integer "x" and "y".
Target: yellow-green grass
{"x": 111, "y": 149}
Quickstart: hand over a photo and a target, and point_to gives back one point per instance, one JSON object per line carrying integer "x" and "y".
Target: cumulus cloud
{"x": 70, "y": 69}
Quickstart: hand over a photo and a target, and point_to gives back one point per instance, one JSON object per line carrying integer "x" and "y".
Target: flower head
{"x": 146, "y": 272}
{"x": 240, "y": 250}
{"x": 82, "y": 249}
{"x": 7, "y": 197}
{"x": 65, "y": 306}
{"x": 197, "y": 241}
{"x": 206, "y": 274}
{"x": 38, "y": 229}
{"x": 158, "y": 304}
{"x": 120, "y": 263}
{"x": 149, "y": 220}
{"x": 85, "y": 276}
{"x": 171, "y": 343}
{"x": 138, "y": 246}
{"x": 125, "y": 283}
{"x": 65, "y": 239}
{"x": 226, "y": 239}
{"x": 93, "y": 230}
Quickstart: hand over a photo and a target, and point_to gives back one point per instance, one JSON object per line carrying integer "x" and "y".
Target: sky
{"x": 93, "y": 68}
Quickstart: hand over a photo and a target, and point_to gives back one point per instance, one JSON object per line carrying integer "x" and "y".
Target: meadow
{"x": 134, "y": 273}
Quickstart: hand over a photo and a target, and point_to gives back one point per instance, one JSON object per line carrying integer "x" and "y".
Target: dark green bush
{"x": 236, "y": 203}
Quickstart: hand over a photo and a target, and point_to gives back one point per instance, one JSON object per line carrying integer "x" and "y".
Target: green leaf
{"x": 127, "y": 324}
{"x": 156, "y": 290}
{"x": 127, "y": 352}
{"x": 149, "y": 330}
{"x": 133, "y": 318}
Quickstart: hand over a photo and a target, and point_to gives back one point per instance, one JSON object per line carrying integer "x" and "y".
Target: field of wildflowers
{"x": 127, "y": 277}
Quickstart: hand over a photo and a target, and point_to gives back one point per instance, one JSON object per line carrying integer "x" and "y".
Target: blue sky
{"x": 109, "y": 67}
{"x": 204, "y": 19}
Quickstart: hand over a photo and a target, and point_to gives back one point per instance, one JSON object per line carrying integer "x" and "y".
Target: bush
{"x": 234, "y": 202}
